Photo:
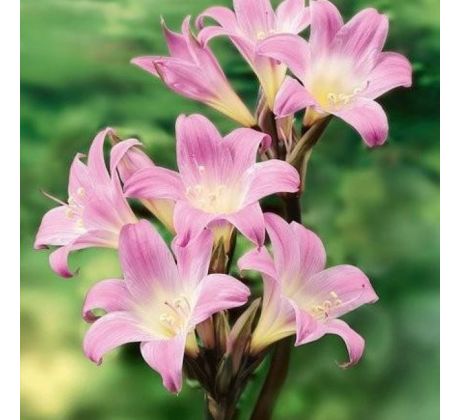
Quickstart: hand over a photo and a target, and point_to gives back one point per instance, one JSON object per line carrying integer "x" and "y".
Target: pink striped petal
{"x": 190, "y": 222}
{"x": 286, "y": 252}
{"x": 222, "y": 15}
{"x": 147, "y": 63}
{"x": 127, "y": 157}
{"x": 193, "y": 259}
{"x": 110, "y": 295}
{"x": 111, "y": 331}
{"x": 289, "y": 49}
{"x": 244, "y": 143}
{"x": 362, "y": 37}
{"x": 345, "y": 286}
{"x": 292, "y": 16}
{"x": 354, "y": 342}
{"x": 177, "y": 43}
{"x": 218, "y": 292}
{"x": 270, "y": 177}
{"x": 166, "y": 357}
{"x": 155, "y": 182}
{"x": 250, "y": 222}
{"x": 56, "y": 228}
{"x": 79, "y": 177}
{"x": 392, "y": 70}
{"x": 311, "y": 250}
{"x": 254, "y": 16}
{"x": 96, "y": 163}
{"x": 199, "y": 150}
{"x": 58, "y": 259}
{"x": 146, "y": 261}
{"x": 258, "y": 260}
{"x": 306, "y": 325}
{"x": 291, "y": 97}
{"x": 368, "y": 118}
{"x": 325, "y": 22}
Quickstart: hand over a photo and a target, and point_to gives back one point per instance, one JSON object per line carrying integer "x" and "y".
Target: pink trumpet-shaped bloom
{"x": 342, "y": 69}
{"x": 131, "y": 159}
{"x": 218, "y": 180}
{"x": 251, "y": 22}
{"x": 192, "y": 70}
{"x": 300, "y": 296}
{"x": 159, "y": 302}
{"x": 95, "y": 211}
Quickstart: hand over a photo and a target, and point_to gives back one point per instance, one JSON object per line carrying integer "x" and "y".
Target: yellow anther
{"x": 334, "y": 295}
{"x": 80, "y": 191}
{"x": 68, "y": 213}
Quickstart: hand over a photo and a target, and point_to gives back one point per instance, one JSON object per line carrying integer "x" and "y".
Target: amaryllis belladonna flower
{"x": 251, "y": 22}
{"x": 158, "y": 303}
{"x": 218, "y": 180}
{"x": 342, "y": 69}
{"x": 300, "y": 296}
{"x": 94, "y": 213}
{"x": 192, "y": 70}
{"x": 131, "y": 159}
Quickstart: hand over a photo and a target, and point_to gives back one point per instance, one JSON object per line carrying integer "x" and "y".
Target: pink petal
{"x": 345, "y": 286}
{"x": 311, "y": 250}
{"x": 177, "y": 43}
{"x": 193, "y": 259}
{"x": 199, "y": 150}
{"x": 270, "y": 177}
{"x": 289, "y": 49}
{"x": 95, "y": 238}
{"x": 362, "y": 37}
{"x": 258, "y": 260}
{"x": 354, "y": 342}
{"x": 111, "y": 331}
{"x": 222, "y": 15}
{"x": 146, "y": 261}
{"x": 306, "y": 325}
{"x": 244, "y": 143}
{"x": 155, "y": 182}
{"x": 325, "y": 22}
{"x": 110, "y": 295}
{"x": 218, "y": 292}
{"x": 189, "y": 222}
{"x": 147, "y": 63}
{"x": 291, "y": 97}
{"x": 368, "y": 118}
{"x": 166, "y": 357}
{"x": 392, "y": 70}
{"x": 292, "y": 16}
{"x": 250, "y": 222}
{"x": 96, "y": 163}
{"x": 286, "y": 251}
{"x": 254, "y": 16}
{"x": 56, "y": 228}
{"x": 79, "y": 177}
{"x": 127, "y": 157}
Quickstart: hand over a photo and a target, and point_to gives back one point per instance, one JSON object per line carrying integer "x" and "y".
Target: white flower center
{"x": 74, "y": 210}
{"x": 323, "y": 309}
{"x": 334, "y": 84}
{"x": 175, "y": 316}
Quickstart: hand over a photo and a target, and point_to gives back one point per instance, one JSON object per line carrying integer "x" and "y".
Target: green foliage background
{"x": 378, "y": 209}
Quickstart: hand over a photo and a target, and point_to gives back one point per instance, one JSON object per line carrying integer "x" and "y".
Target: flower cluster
{"x": 180, "y": 302}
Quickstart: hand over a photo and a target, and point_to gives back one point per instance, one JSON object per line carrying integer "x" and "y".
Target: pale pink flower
{"x": 251, "y": 22}
{"x": 300, "y": 296}
{"x": 218, "y": 180}
{"x": 95, "y": 211}
{"x": 192, "y": 70}
{"x": 158, "y": 303}
{"x": 342, "y": 69}
{"x": 131, "y": 159}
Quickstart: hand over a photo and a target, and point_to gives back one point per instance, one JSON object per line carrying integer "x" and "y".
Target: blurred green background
{"x": 378, "y": 209}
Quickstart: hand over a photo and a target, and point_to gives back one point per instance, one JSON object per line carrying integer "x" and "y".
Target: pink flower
{"x": 158, "y": 303}
{"x": 342, "y": 69}
{"x": 94, "y": 213}
{"x": 131, "y": 159}
{"x": 300, "y": 296}
{"x": 218, "y": 180}
{"x": 253, "y": 21}
{"x": 193, "y": 71}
